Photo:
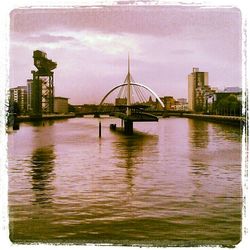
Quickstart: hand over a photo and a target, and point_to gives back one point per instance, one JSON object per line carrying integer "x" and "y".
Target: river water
{"x": 176, "y": 182}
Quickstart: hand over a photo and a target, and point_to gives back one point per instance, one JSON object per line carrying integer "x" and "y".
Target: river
{"x": 176, "y": 182}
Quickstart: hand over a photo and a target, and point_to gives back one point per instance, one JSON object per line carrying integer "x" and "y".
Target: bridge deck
{"x": 136, "y": 117}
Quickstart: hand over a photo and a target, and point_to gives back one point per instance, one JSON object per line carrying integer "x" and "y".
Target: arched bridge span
{"x": 133, "y": 84}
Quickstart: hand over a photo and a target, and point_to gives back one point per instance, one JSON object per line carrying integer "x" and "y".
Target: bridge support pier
{"x": 128, "y": 127}
{"x": 100, "y": 129}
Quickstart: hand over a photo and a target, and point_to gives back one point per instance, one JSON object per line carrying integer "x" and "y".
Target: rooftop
{"x": 232, "y": 90}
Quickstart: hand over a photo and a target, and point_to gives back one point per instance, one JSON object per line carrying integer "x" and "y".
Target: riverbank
{"x": 234, "y": 120}
{"x": 44, "y": 117}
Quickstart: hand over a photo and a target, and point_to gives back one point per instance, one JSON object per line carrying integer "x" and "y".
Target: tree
{"x": 228, "y": 105}
{"x": 14, "y": 108}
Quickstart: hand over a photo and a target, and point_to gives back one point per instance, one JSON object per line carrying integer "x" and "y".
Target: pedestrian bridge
{"x": 133, "y": 108}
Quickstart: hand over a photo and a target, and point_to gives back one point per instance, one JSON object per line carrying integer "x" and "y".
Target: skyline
{"x": 90, "y": 46}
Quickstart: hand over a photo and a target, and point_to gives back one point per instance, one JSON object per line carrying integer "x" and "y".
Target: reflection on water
{"x": 176, "y": 182}
{"x": 42, "y": 123}
{"x": 42, "y": 164}
{"x": 199, "y": 140}
{"x": 230, "y": 133}
{"x": 129, "y": 152}
{"x": 199, "y": 136}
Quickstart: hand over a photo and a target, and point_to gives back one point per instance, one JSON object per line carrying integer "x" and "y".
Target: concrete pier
{"x": 128, "y": 127}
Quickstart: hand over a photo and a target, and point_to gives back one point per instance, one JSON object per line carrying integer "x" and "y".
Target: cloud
{"x": 91, "y": 45}
{"x": 49, "y": 38}
{"x": 39, "y": 40}
{"x": 144, "y": 20}
{"x": 112, "y": 44}
{"x": 106, "y": 43}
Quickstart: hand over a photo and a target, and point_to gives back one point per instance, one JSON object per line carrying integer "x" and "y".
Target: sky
{"x": 91, "y": 46}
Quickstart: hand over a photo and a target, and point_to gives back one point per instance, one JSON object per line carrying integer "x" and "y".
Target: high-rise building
{"x": 29, "y": 94}
{"x": 18, "y": 95}
{"x": 197, "y": 90}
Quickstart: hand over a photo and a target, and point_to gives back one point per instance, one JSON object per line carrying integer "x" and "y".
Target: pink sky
{"x": 91, "y": 45}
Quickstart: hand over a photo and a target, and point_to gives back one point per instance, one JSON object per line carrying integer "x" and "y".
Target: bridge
{"x": 132, "y": 110}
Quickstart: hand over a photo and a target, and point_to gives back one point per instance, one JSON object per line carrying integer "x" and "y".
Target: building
{"x": 181, "y": 104}
{"x": 18, "y": 95}
{"x": 120, "y": 101}
{"x": 232, "y": 90}
{"x": 198, "y": 89}
{"x": 182, "y": 100}
{"x": 86, "y": 108}
{"x": 168, "y": 102}
{"x": 29, "y": 95}
{"x": 61, "y": 105}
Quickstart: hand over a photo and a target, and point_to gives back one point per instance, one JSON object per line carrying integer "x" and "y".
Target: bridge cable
{"x": 141, "y": 95}
{"x": 120, "y": 92}
{"x": 138, "y": 94}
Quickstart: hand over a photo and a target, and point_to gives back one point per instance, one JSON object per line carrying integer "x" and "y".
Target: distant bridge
{"x": 116, "y": 109}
